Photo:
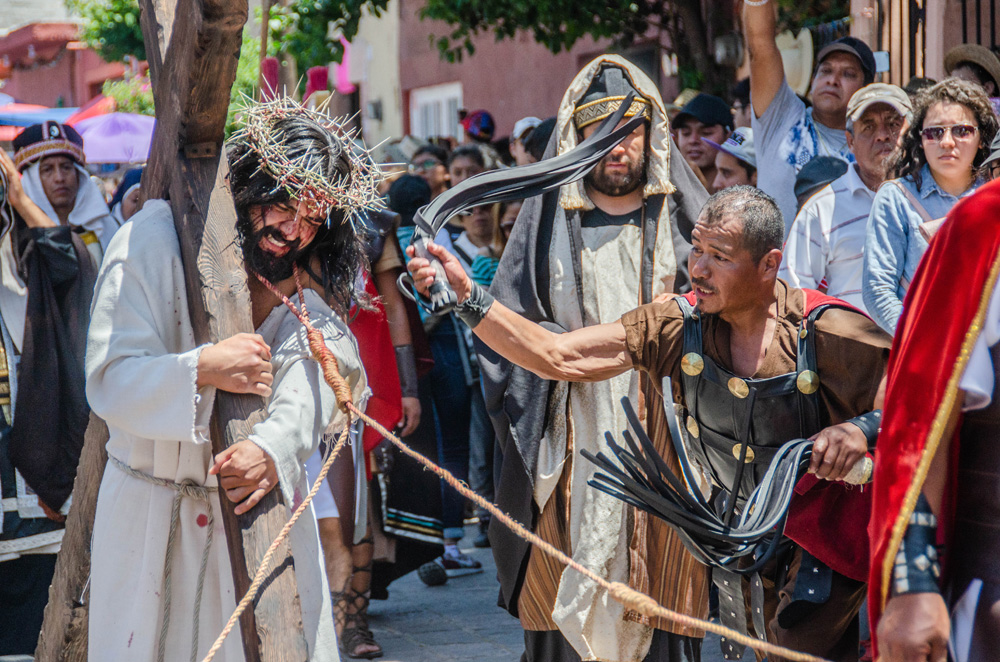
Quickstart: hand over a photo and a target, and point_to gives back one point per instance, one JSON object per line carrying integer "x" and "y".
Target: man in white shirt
{"x": 824, "y": 248}
{"x": 788, "y": 134}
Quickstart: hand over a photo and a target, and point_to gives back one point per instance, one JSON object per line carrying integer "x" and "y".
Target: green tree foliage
{"x": 110, "y": 27}
{"x": 247, "y": 77}
{"x": 310, "y": 30}
{"x": 131, "y": 96}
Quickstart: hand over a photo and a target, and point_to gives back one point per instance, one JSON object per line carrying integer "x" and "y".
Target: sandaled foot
{"x": 358, "y": 642}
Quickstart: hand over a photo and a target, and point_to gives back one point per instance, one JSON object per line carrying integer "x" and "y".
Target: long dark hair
{"x": 911, "y": 158}
{"x": 337, "y": 248}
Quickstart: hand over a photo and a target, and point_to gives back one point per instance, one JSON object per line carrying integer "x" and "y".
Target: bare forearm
{"x": 937, "y": 474}
{"x": 589, "y": 354}
{"x": 395, "y": 312}
{"x": 766, "y": 69}
{"x": 33, "y": 215}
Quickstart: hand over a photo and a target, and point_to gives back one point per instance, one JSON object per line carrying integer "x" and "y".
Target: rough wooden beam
{"x": 64, "y": 630}
{"x": 193, "y": 48}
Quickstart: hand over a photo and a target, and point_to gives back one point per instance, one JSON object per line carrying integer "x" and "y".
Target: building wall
{"x": 15, "y": 13}
{"x": 72, "y": 80}
{"x": 511, "y": 79}
{"x": 374, "y": 67}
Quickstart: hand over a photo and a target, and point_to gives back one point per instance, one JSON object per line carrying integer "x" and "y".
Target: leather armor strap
{"x": 917, "y": 569}
{"x": 869, "y": 424}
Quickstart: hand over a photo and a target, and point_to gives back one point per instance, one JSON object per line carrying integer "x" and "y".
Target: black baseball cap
{"x": 855, "y": 47}
{"x": 707, "y": 109}
{"x": 406, "y": 195}
{"x": 816, "y": 174}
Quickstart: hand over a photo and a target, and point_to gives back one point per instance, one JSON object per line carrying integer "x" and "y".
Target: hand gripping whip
{"x": 502, "y": 185}
{"x": 641, "y": 478}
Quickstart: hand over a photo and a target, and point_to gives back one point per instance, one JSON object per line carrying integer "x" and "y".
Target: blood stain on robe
{"x": 202, "y": 520}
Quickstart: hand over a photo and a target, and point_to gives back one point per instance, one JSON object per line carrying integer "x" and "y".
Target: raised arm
{"x": 766, "y": 68}
{"x": 590, "y": 354}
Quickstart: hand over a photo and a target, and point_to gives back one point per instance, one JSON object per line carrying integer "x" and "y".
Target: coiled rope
{"x": 627, "y": 596}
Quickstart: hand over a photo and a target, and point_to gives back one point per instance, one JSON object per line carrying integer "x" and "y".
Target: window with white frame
{"x": 434, "y": 111}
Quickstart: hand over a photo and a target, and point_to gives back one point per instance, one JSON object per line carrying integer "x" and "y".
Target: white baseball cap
{"x": 739, "y": 144}
{"x": 522, "y": 126}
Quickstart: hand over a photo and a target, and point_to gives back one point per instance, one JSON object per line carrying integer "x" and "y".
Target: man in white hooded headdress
{"x": 579, "y": 257}
{"x": 50, "y": 158}
{"x": 46, "y": 284}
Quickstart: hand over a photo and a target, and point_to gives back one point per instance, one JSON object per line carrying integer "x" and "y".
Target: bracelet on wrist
{"x": 474, "y": 308}
{"x": 406, "y": 364}
{"x": 916, "y": 568}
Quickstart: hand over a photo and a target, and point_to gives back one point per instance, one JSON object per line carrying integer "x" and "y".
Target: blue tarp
{"x": 35, "y": 117}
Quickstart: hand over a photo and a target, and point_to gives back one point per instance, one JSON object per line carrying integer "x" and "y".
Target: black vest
{"x": 729, "y": 417}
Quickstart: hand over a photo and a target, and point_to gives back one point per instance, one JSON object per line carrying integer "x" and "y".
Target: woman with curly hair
{"x": 938, "y": 164}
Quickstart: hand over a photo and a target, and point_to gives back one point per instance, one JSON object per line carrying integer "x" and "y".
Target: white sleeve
{"x": 301, "y": 409}
{"x": 133, "y": 382}
{"x": 978, "y": 379}
{"x": 804, "y": 261}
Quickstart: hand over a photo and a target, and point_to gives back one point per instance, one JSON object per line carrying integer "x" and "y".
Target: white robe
{"x": 591, "y": 620}
{"x": 141, "y": 379}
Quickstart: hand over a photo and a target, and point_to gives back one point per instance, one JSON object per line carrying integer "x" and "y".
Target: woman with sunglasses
{"x": 938, "y": 164}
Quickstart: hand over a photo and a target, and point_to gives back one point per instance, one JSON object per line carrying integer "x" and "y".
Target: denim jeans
{"x": 481, "y": 441}
{"x": 451, "y": 396}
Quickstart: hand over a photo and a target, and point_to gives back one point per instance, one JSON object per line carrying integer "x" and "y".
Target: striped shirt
{"x": 825, "y": 247}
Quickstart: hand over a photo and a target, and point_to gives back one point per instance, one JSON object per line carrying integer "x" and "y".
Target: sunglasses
{"x": 958, "y": 132}
{"x": 424, "y": 166}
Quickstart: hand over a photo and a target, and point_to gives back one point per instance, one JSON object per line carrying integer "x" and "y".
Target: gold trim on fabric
{"x": 941, "y": 417}
{"x": 595, "y": 111}
{"x": 38, "y": 151}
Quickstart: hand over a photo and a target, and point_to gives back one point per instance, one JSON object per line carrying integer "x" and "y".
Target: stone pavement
{"x": 458, "y": 620}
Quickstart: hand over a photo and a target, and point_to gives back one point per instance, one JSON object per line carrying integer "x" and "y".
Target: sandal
{"x": 356, "y": 633}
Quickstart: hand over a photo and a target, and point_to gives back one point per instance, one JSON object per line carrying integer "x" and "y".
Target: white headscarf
{"x": 89, "y": 211}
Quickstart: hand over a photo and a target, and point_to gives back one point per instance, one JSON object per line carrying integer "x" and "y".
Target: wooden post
{"x": 193, "y": 48}
{"x": 64, "y": 630}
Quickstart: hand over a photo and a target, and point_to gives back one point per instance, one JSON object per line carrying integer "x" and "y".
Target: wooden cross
{"x": 193, "y": 47}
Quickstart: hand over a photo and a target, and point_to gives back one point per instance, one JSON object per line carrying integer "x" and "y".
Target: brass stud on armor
{"x": 692, "y": 427}
{"x": 803, "y": 333}
{"x": 738, "y": 448}
{"x": 738, "y": 387}
{"x": 807, "y": 382}
{"x": 692, "y": 364}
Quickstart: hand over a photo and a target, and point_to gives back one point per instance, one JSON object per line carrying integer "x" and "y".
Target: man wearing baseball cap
{"x": 522, "y": 128}
{"x": 788, "y": 134}
{"x": 735, "y": 160}
{"x": 50, "y": 158}
{"x": 705, "y": 117}
{"x": 824, "y": 247}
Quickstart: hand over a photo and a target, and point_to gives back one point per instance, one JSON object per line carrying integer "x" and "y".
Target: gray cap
{"x": 739, "y": 144}
{"x": 869, "y": 95}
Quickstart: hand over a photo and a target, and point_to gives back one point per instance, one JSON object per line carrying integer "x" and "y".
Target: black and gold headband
{"x": 595, "y": 111}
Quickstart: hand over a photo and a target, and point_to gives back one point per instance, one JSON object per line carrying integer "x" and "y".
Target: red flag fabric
{"x": 942, "y": 318}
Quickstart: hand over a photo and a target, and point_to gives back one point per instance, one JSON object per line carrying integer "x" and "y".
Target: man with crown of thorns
{"x": 161, "y": 584}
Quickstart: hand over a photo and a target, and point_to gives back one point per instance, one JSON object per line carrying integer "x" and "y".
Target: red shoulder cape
{"x": 942, "y": 316}
{"x": 828, "y": 519}
{"x": 385, "y": 405}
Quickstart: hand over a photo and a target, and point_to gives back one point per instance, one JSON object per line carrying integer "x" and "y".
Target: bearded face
{"x": 274, "y": 237}
{"x": 623, "y": 170}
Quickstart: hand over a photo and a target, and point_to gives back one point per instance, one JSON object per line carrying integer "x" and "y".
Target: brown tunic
{"x": 852, "y": 353}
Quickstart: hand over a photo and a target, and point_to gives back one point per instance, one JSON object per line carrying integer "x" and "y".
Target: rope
{"x": 624, "y": 594}
{"x": 185, "y": 489}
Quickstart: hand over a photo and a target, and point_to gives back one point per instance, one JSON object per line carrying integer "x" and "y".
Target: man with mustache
{"x": 580, "y": 257}
{"x": 296, "y": 182}
{"x": 788, "y": 134}
{"x": 741, "y": 333}
{"x": 825, "y": 246}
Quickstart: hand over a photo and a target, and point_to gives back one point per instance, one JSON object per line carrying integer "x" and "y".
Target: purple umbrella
{"x": 116, "y": 137}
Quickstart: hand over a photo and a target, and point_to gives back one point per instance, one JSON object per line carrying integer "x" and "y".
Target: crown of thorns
{"x": 304, "y": 177}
